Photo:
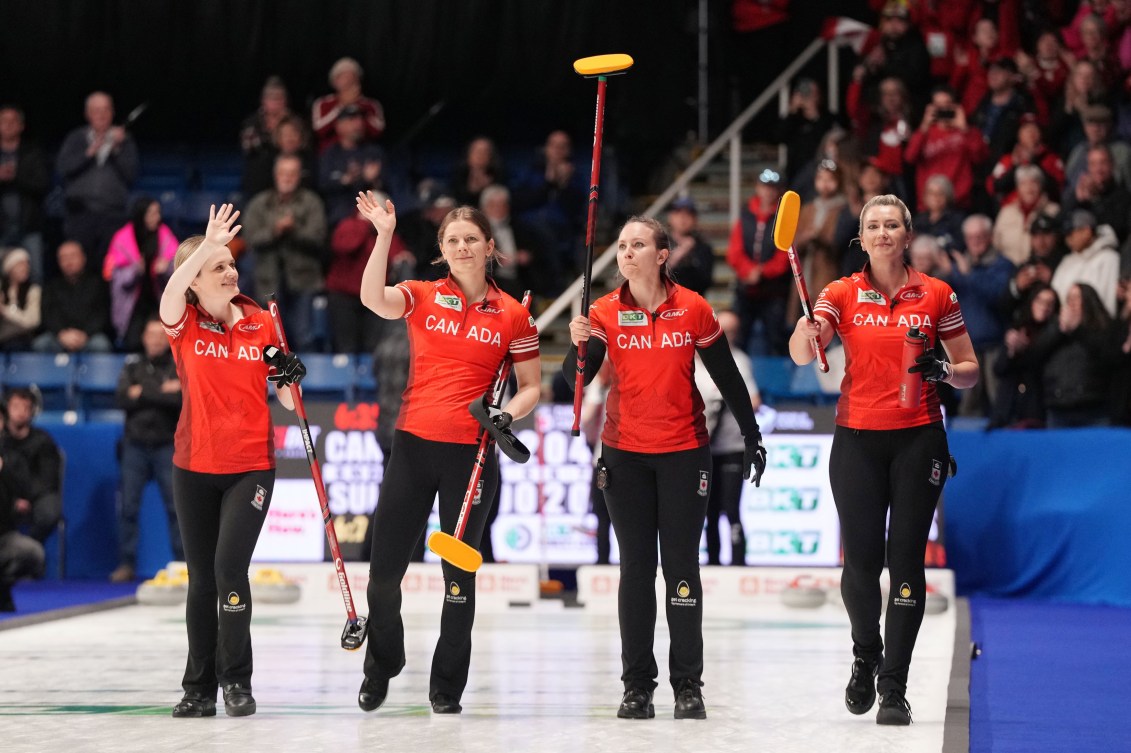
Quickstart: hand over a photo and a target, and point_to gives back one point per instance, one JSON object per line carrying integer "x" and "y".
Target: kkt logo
{"x": 794, "y": 455}
{"x": 783, "y": 543}
{"x": 786, "y": 499}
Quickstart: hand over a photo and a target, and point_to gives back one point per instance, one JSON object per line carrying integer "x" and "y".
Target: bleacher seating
{"x": 96, "y": 379}
{"x": 329, "y": 376}
{"x": 53, "y": 375}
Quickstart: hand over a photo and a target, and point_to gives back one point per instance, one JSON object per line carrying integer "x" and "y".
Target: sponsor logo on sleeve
{"x": 632, "y": 318}
{"x": 453, "y": 302}
{"x": 954, "y": 297}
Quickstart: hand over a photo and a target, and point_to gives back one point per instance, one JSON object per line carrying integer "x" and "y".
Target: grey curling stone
{"x": 803, "y": 597}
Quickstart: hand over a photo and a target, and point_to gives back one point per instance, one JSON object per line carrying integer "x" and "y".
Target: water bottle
{"x": 911, "y": 385}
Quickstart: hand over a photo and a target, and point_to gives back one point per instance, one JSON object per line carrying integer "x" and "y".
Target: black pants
{"x": 874, "y": 474}
{"x": 726, "y": 499}
{"x": 220, "y": 517}
{"x": 418, "y": 470}
{"x": 663, "y": 495}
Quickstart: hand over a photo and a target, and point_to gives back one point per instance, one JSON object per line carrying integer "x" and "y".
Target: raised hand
{"x": 384, "y": 218}
{"x": 219, "y": 229}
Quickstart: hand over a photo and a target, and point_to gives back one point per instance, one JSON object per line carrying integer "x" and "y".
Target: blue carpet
{"x": 1052, "y": 677}
{"x": 32, "y": 597}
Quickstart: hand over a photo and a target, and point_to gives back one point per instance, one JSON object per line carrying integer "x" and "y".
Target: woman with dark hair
{"x": 656, "y": 461}
{"x": 137, "y": 266}
{"x": 480, "y": 167}
{"x": 20, "y": 299}
{"x": 1019, "y": 403}
{"x": 460, "y": 329}
{"x": 1079, "y": 352}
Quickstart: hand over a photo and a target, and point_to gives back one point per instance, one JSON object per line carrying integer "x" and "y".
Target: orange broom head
{"x": 455, "y": 552}
{"x": 785, "y": 226}
{"x": 603, "y": 65}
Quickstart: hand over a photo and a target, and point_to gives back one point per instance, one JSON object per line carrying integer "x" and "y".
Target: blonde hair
{"x": 886, "y": 200}
{"x": 187, "y": 248}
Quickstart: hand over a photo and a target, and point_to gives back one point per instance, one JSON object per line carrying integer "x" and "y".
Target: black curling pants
{"x": 877, "y": 475}
{"x": 220, "y": 516}
{"x": 418, "y": 470}
{"x": 659, "y": 495}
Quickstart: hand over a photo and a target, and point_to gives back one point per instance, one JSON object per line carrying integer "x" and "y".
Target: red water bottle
{"x": 911, "y": 385}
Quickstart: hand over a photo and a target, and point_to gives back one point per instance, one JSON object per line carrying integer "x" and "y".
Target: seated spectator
{"x": 345, "y": 76}
{"x": 895, "y": 49}
{"x": 1018, "y": 403}
{"x": 20, "y": 556}
{"x": 551, "y": 194}
{"x": 290, "y": 139}
{"x": 1029, "y": 150}
{"x": 257, "y": 132}
{"x": 1099, "y": 131}
{"x": 946, "y": 145}
{"x": 1047, "y": 70}
{"x": 137, "y": 267}
{"x": 972, "y": 56}
{"x": 419, "y": 228}
{"x": 76, "y": 308}
{"x": 348, "y": 166}
{"x": 1066, "y": 123}
{"x": 1099, "y": 193}
{"x": 1096, "y": 48}
{"x": 763, "y": 282}
{"x": 1045, "y": 252}
{"x": 692, "y": 260}
{"x": 938, "y": 217}
{"x": 481, "y": 166}
{"x": 979, "y": 277}
{"x": 804, "y": 125}
{"x": 149, "y": 391}
{"x": 1029, "y": 201}
{"x": 1093, "y": 260}
{"x": 999, "y": 112}
{"x": 884, "y": 128}
{"x": 1080, "y": 352}
{"x": 42, "y": 509}
{"x": 24, "y": 180}
{"x": 522, "y": 259}
{"x": 1073, "y": 34}
{"x": 353, "y": 327}
{"x": 923, "y": 254}
{"x": 285, "y": 227}
{"x": 98, "y": 163}
{"x": 20, "y": 301}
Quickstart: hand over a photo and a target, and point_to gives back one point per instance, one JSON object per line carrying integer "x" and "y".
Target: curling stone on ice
{"x": 270, "y": 586}
{"x": 164, "y": 588}
{"x": 803, "y": 596}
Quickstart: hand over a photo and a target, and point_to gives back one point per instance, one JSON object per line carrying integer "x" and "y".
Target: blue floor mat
{"x": 32, "y": 597}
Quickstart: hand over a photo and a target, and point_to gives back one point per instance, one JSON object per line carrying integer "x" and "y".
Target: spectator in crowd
{"x": 1001, "y": 108}
{"x": 42, "y": 509}
{"x": 884, "y": 128}
{"x": 24, "y": 180}
{"x": 1079, "y": 353}
{"x": 1018, "y": 403}
{"x": 762, "y": 271}
{"x": 20, "y": 301}
{"x": 481, "y": 166}
{"x": 523, "y": 260}
{"x": 898, "y": 50}
{"x": 149, "y": 391}
{"x": 1073, "y": 34}
{"x": 20, "y": 556}
{"x": 1099, "y": 193}
{"x": 286, "y": 229}
{"x": 804, "y": 125}
{"x": 968, "y": 78}
{"x": 352, "y": 329}
{"x": 692, "y": 261}
{"x": 1046, "y": 71}
{"x": 418, "y": 228}
{"x": 1098, "y": 131}
{"x": 290, "y": 139}
{"x": 1046, "y": 249}
{"x": 76, "y": 308}
{"x": 348, "y": 166}
{"x": 1030, "y": 149}
{"x": 979, "y": 277}
{"x": 1093, "y": 259}
{"x": 842, "y": 148}
{"x": 1029, "y": 201}
{"x": 345, "y": 78}
{"x": 946, "y": 145}
{"x": 1096, "y": 49}
{"x": 98, "y": 163}
{"x": 939, "y": 218}
{"x": 551, "y": 194}
{"x": 137, "y": 266}
{"x": 923, "y": 254}
{"x": 257, "y": 132}
{"x": 816, "y": 231}
{"x": 727, "y": 446}
{"x": 1066, "y": 124}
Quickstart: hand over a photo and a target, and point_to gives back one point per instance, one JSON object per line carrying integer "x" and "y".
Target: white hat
{"x": 14, "y": 257}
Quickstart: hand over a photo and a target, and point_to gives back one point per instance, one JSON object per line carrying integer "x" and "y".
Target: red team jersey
{"x": 454, "y": 354}
{"x": 872, "y": 329}
{"x": 653, "y": 405}
{"x": 225, "y": 425}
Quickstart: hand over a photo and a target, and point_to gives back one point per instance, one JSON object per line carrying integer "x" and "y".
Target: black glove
{"x": 754, "y": 459}
{"x": 497, "y": 423}
{"x": 500, "y": 418}
{"x": 288, "y": 368}
{"x": 932, "y": 369}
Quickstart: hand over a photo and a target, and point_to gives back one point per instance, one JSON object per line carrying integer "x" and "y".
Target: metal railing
{"x": 732, "y": 136}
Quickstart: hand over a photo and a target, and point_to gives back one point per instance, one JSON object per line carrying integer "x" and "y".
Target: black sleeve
{"x": 594, "y": 357}
{"x": 720, "y": 365}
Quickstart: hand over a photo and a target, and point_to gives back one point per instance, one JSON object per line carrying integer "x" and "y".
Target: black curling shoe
{"x": 636, "y": 704}
{"x": 860, "y": 695}
{"x": 894, "y": 709}
{"x": 689, "y": 700}
{"x": 372, "y": 694}
{"x": 443, "y": 703}
{"x": 238, "y": 700}
{"x": 195, "y": 705}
